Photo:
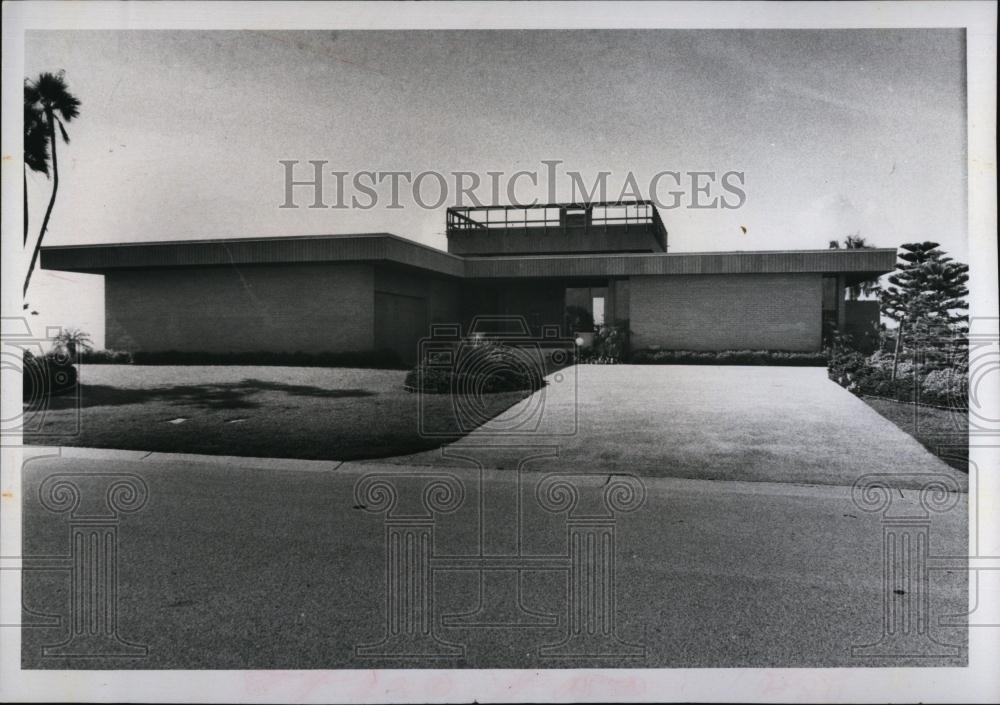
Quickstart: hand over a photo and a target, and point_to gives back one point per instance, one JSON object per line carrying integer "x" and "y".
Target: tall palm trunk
{"x": 52, "y": 199}
{"x": 24, "y": 173}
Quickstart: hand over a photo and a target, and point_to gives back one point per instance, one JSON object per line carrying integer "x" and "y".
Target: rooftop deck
{"x": 556, "y": 228}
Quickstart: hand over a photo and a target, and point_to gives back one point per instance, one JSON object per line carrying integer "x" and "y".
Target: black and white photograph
{"x": 496, "y": 352}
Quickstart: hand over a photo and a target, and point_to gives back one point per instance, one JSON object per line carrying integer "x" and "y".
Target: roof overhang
{"x": 387, "y": 248}
{"x": 866, "y": 262}
{"x": 370, "y": 247}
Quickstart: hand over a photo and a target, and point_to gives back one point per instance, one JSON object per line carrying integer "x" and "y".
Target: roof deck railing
{"x": 554, "y": 218}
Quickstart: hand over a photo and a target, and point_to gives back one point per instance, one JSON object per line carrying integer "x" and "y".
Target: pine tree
{"x": 926, "y": 296}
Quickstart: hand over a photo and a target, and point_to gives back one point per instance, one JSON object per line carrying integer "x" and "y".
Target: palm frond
{"x": 62, "y": 130}
{"x": 54, "y": 95}
{"x": 36, "y": 137}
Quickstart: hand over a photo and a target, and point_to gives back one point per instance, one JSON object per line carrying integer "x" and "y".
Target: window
{"x": 598, "y": 305}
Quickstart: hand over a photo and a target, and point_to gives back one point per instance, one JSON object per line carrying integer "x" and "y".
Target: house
{"x": 605, "y": 262}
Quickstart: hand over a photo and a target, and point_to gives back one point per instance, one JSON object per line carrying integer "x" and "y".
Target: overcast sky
{"x": 180, "y": 133}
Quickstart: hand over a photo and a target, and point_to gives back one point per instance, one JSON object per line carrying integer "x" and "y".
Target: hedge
{"x": 377, "y": 359}
{"x": 729, "y": 357}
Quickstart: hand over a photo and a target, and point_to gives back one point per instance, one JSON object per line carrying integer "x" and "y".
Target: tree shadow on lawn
{"x": 234, "y": 395}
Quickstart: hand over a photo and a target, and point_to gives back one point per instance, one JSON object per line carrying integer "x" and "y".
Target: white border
{"x": 980, "y": 682}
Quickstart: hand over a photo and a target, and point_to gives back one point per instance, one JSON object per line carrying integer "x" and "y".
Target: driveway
{"x": 758, "y": 424}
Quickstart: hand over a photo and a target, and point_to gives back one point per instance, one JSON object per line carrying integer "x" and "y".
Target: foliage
{"x": 928, "y": 289}
{"x": 610, "y": 345}
{"x": 871, "y": 375}
{"x": 481, "y": 367}
{"x": 862, "y": 288}
{"x": 46, "y": 376}
{"x": 72, "y": 341}
{"x": 105, "y": 357}
{"x": 729, "y": 357}
{"x": 926, "y": 298}
{"x": 36, "y": 138}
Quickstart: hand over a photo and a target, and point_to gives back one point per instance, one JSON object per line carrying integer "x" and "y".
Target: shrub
{"x": 872, "y": 376}
{"x": 610, "y": 344}
{"x": 106, "y": 357}
{"x": 946, "y": 388}
{"x": 729, "y": 357}
{"x": 47, "y": 376}
{"x": 485, "y": 367}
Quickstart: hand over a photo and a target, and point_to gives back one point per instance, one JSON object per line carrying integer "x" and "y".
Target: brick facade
{"x": 726, "y": 312}
{"x": 276, "y": 308}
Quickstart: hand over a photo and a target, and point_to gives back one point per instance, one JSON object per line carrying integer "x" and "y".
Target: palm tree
{"x": 57, "y": 106}
{"x": 862, "y": 288}
{"x": 72, "y": 340}
{"x": 36, "y": 143}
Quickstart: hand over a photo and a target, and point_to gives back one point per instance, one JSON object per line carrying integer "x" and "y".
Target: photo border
{"x": 977, "y": 682}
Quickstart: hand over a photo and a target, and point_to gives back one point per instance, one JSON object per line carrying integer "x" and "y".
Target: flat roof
{"x": 388, "y": 248}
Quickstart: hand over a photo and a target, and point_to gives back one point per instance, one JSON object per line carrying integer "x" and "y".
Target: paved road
{"x": 262, "y": 564}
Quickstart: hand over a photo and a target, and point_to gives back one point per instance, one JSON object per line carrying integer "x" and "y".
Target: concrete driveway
{"x": 758, "y": 424}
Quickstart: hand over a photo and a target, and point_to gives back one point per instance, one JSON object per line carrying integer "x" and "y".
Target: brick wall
{"x": 278, "y": 308}
{"x": 443, "y": 295}
{"x": 726, "y": 311}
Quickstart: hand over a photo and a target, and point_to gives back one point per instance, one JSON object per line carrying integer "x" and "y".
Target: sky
{"x": 180, "y": 133}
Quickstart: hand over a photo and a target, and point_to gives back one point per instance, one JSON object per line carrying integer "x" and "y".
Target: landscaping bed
{"x": 291, "y": 412}
{"x": 729, "y": 357}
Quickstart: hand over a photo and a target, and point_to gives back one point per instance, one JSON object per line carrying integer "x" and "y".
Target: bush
{"x": 946, "y": 388}
{"x": 729, "y": 357}
{"x": 47, "y": 376}
{"x": 105, "y": 357}
{"x": 610, "y": 344}
{"x": 484, "y": 367}
{"x": 872, "y": 376}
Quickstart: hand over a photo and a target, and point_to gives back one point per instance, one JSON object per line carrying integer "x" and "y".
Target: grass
{"x": 944, "y": 432}
{"x": 289, "y": 412}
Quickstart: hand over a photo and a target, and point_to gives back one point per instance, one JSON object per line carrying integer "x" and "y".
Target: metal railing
{"x": 559, "y": 217}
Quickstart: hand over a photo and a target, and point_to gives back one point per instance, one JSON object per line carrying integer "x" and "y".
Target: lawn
{"x": 289, "y": 412}
{"x": 944, "y": 432}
